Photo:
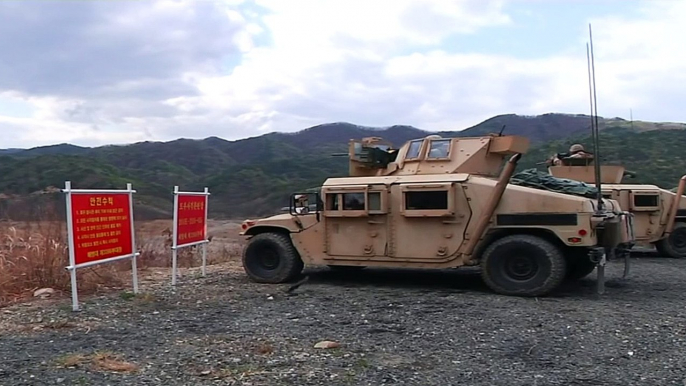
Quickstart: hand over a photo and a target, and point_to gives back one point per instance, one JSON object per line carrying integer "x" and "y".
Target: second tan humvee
{"x": 659, "y": 216}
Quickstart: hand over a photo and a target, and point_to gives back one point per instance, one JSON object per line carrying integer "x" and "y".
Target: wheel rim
{"x": 268, "y": 259}
{"x": 265, "y": 258}
{"x": 521, "y": 268}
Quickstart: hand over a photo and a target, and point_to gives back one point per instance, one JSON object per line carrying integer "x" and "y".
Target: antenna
{"x": 594, "y": 116}
{"x": 501, "y": 131}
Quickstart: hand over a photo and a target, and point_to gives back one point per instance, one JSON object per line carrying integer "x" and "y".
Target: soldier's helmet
{"x": 576, "y": 148}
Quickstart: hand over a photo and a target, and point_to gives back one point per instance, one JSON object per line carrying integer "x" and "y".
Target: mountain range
{"x": 254, "y": 176}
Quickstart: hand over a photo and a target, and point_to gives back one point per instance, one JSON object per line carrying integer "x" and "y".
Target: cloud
{"x": 112, "y": 72}
{"x": 305, "y": 24}
{"x": 96, "y": 64}
{"x": 328, "y": 62}
{"x": 373, "y": 65}
{"x": 642, "y": 63}
{"x": 96, "y": 49}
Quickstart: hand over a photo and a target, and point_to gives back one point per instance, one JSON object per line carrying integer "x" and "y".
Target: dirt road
{"x": 392, "y": 327}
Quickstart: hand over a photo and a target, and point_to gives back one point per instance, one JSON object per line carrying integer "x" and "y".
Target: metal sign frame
{"x": 175, "y": 229}
{"x": 72, "y": 267}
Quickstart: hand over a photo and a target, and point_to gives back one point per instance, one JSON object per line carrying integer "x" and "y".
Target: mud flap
{"x": 600, "y": 288}
{"x": 627, "y": 264}
{"x": 626, "y": 254}
{"x": 626, "y": 247}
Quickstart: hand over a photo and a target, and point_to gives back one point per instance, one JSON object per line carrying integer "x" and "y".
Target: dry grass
{"x": 265, "y": 348}
{"x": 34, "y": 255}
{"x": 155, "y": 242}
{"x": 102, "y": 361}
{"x": 108, "y": 361}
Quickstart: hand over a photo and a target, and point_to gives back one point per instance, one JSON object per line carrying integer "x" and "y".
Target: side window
{"x": 353, "y": 201}
{"x": 332, "y": 201}
{"x": 357, "y": 201}
{"x": 426, "y": 200}
{"x": 439, "y": 148}
{"x": 413, "y": 151}
{"x": 645, "y": 200}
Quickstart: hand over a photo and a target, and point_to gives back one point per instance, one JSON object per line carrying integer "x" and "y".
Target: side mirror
{"x": 300, "y": 203}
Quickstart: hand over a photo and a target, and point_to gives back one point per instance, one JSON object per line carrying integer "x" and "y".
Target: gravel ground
{"x": 392, "y": 327}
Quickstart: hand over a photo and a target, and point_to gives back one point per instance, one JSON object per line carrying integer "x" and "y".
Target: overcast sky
{"x": 99, "y": 72}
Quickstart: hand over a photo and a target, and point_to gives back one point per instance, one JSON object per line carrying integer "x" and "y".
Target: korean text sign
{"x": 102, "y": 226}
{"x": 192, "y": 221}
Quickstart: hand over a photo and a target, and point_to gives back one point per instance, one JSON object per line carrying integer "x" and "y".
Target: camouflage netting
{"x": 534, "y": 178}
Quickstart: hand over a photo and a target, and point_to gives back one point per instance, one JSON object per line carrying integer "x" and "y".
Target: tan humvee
{"x": 440, "y": 203}
{"x": 659, "y": 218}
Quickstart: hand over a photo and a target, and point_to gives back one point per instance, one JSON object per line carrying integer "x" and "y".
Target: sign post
{"x": 100, "y": 230}
{"x": 190, "y": 225}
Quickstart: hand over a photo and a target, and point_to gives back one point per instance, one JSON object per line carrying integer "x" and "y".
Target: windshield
{"x": 413, "y": 151}
{"x": 440, "y": 148}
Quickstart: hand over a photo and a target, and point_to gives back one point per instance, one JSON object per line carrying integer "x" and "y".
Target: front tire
{"x": 675, "y": 245}
{"x": 271, "y": 258}
{"x": 523, "y": 265}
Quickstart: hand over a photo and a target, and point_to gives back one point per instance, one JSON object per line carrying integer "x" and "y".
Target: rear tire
{"x": 271, "y": 258}
{"x": 675, "y": 245}
{"x": 523, "y": 265}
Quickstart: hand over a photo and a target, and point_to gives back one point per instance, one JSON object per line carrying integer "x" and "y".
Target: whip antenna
{"x": 594, "y": 116}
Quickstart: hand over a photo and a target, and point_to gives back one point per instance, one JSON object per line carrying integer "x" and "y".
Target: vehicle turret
{"x": 583, "y": 169}
{"x": 483, "y": 155}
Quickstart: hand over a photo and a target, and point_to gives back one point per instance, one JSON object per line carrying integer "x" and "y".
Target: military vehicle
{"x": 659, "y": 217}
{"x": 440, "y": 203}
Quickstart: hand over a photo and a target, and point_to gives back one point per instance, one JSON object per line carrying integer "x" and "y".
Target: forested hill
{"x": 254, "y": 176}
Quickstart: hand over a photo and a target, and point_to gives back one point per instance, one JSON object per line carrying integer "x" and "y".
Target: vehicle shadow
{"x": 468, "y": 279}
{"x": 463, "y": 280}
{"x": 423, "y": 280}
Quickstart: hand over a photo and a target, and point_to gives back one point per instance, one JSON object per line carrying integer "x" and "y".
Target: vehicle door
{"x": 356, "y": 221}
